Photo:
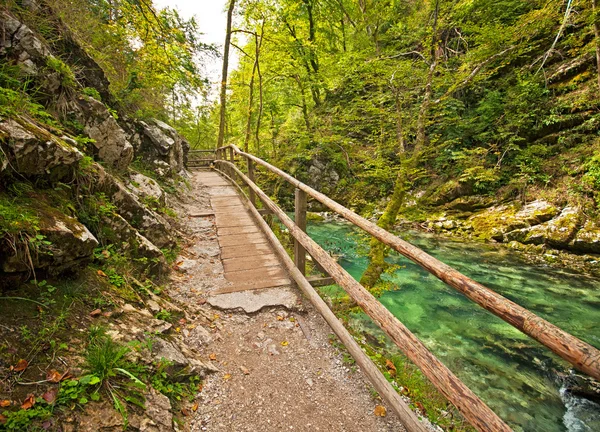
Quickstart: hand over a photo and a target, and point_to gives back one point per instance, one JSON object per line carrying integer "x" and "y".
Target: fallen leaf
{"x": 182, "y": 321}
{"x": 201, "y": 301}
{"x": 421, "y": 408}
{"x": 106, "y": 253}
{"x": 54, "y": 376}
{"x": 213, "y": 356}
{"x": 185, "y": 412}
{"x": 292, "y": 319}
{"x": 50, "y": 395}
{"x": 244, "y": 370}
{"x": 4, "y": 403}
{"x": 47, "y": 424}
{"x": 380, "y": 411}
{"x": 21, "y": 365}
{"x": 279, "y": 318}
{"x": 390, "y": 367}
{"x": 200, "y": 387}
{"x": 285, "y": 343}
{"x": 101, "y": 273}
{"x": 226, "y": 377}
{"x": 95, "y": 313}
{"x": 195, "y": 407}
{"x": 178, "y": 329}
{"x": 2, "y": 419}
{"x": 29, "y": 402}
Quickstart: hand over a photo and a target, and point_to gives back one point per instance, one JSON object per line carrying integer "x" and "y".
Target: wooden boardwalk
{"x": 248, "y": 259}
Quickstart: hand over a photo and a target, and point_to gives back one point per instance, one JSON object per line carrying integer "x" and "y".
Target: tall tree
{"x": 223, "y": 97}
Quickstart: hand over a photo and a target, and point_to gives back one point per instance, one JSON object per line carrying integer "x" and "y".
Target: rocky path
{"x": 278, "y": 365}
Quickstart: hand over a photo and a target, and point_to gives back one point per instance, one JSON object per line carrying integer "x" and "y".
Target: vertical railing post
{"x": 251, "y": 193}
{"x": 231, "y": 155}
{"x": 300, "y": 220}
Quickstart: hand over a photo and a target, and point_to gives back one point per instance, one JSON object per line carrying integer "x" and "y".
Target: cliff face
{"x": 67, "y": 184}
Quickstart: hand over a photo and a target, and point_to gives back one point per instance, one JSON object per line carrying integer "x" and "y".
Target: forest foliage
{"x": 492, "y": 96}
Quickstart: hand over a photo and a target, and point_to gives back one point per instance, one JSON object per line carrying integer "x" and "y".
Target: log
{"x": 473, "y": 409}
{"x": 374, "y": 375}
{"x": 580, "y": 354}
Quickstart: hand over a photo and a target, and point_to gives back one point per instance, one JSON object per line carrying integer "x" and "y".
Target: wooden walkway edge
{"x": 249, "y": 261}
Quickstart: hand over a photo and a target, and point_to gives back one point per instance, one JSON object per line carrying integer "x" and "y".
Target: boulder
{"x": 587, "y": 239}
{"x": 557, "y": 232}
{"x": 70, "y": 244}
{"x": 161, "y": 143}
{"x": 536, "y": 212}
{"x": 110, "y": 142}
{"x": 33, "y": 151}
{"x": 496, "y": 222}
{"x": 147, "y": 189}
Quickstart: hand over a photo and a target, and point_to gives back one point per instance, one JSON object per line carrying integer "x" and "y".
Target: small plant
{"x": 92, "y": 92}
{"x": 108, "y": 367}
{"x": 171, "y": 386}
{"x": 164, "y": 315}
{"x": 67, "y": 76}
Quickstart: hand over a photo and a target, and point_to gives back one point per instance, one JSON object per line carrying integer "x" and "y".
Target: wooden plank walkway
{"x": 249, "y": 261}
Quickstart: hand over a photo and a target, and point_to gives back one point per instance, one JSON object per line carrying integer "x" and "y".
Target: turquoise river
{"x": 514, "y": 375}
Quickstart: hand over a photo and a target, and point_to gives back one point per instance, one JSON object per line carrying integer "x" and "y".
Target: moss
{"x": 314, "y": 217}
{"x": 493, "y": 222}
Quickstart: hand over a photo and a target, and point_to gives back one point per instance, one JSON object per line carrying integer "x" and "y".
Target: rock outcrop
{"x": 153, "y": 226}
{"x": 64, "y": 243}
{"x": 33, "y": 151}
{"x": 110, "y": 142}
{"x": 146, "y": 189}
{"x": 116, "y": 230}
{"x": 162, "y": 146}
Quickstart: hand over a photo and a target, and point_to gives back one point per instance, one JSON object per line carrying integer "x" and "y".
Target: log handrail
{"x": 580, "y": 354}
{"x": 467, "y": 402}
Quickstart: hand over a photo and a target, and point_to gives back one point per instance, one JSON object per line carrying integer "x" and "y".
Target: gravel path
{"x": 278, "y": 367}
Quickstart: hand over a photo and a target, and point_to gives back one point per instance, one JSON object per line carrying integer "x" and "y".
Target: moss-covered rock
{"x": 497, "y": 222}
{"x": 587, "y": 239}
{"x": 60, "y": 243}
{"x": 557, "y": 232}
{"x": 470, "y": 203}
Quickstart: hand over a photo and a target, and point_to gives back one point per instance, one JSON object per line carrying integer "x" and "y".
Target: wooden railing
{"x": 200, "y": 158}
{"x": 581, "y": 355}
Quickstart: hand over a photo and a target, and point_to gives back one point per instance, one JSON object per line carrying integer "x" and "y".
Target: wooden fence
{"x": 580, "y": 354}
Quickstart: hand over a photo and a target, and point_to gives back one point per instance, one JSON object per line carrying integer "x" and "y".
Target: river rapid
{"x": 513, "y": 374}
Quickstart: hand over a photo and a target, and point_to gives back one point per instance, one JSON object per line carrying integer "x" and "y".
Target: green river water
{"x": 511, "y": 373}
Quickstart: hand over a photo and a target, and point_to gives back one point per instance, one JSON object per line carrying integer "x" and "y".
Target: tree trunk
{"x": 399, "y": 123}
{"x": 249, "y": 114}
{"x": 424, "y": 109}
{"x": 260, "y": 87}
{"x": 597, "y": 36}
{"x": 378, "y": 250}
{"x": 221, "y": 137}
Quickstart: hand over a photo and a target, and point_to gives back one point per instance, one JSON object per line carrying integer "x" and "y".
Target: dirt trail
{"x": 278, "y": 367}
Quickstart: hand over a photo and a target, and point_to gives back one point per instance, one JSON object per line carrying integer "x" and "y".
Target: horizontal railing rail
{"x": 200, "y": 157}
